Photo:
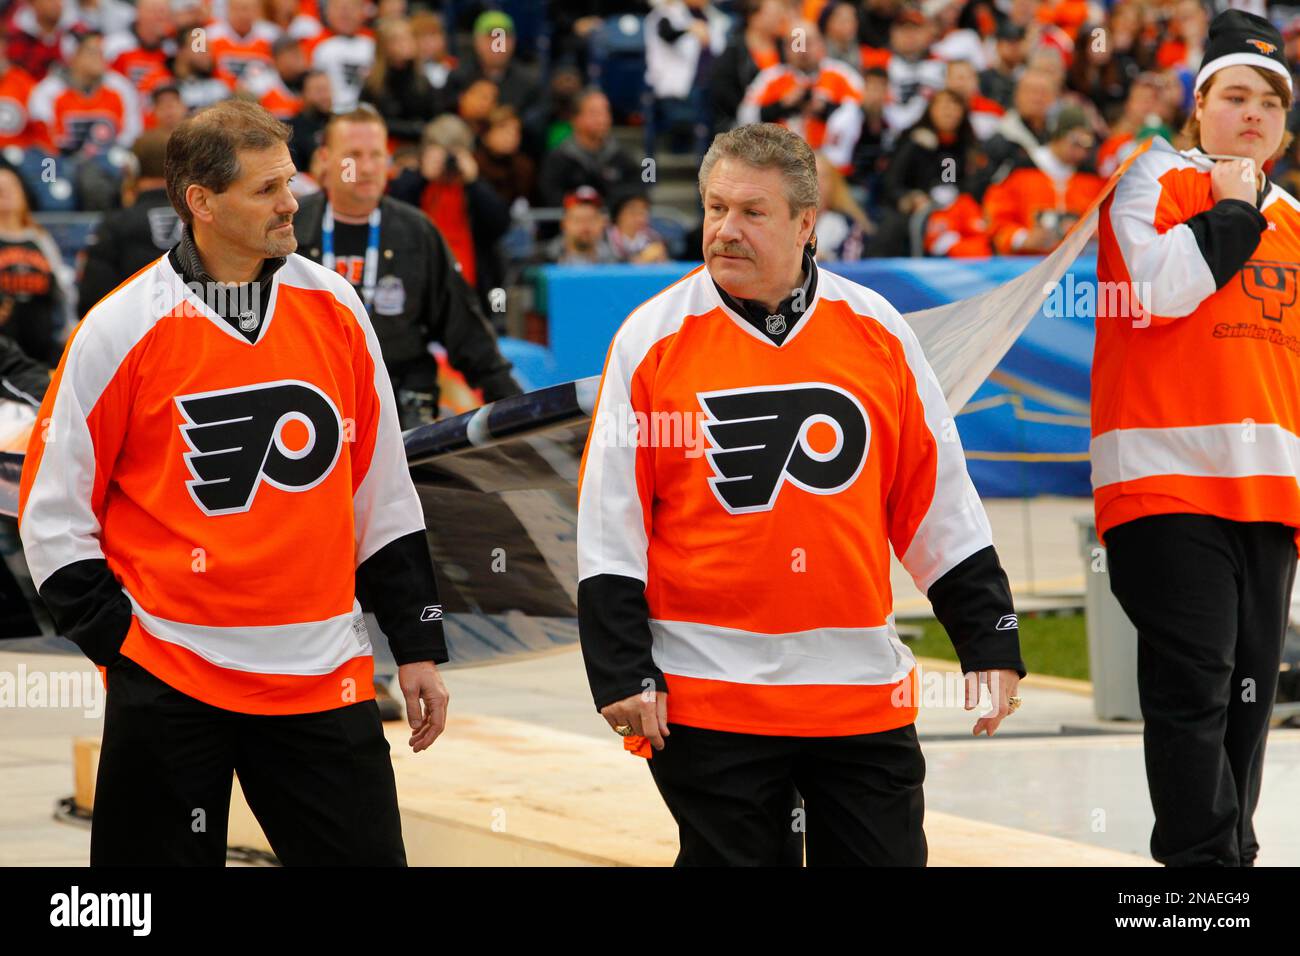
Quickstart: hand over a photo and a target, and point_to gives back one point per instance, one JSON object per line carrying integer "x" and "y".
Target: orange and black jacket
{"x": 1196, "y": 369}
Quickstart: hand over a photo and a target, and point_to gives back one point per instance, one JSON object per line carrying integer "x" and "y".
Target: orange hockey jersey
{"x": 748, "y": 492}
{"x": 87, "y": 120}
{"x": 237, "y": 490}
{"x": 834, "y": 128}
{"x": 17, "y": 128}
{"x": 232, "y": 53}
{"x": 1020, "y": 200}
{"x": 1196, "y": 371}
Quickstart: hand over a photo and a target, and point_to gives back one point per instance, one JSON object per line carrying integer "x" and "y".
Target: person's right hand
{"x": 426, "y": 702}
{"x": 646, "y": 713}
{"x": 6, "y": 309}
{"x": 912, "y": 201}
{"x": 433, "y": 162}
{"x": 1234, "y": 179}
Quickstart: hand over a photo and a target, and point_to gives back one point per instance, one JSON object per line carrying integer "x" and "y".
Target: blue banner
{"x": 1025, "y": 431}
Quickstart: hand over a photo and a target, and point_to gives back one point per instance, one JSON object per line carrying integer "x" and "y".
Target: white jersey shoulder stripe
{"x": 58, "y": 524}
{"x": 1170, "y": 276}
{"x": 611, "y": 527}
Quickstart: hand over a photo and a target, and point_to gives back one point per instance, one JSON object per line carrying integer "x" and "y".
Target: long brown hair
{"x": 378, "y": 75}
{"x": 1279, "y": 84}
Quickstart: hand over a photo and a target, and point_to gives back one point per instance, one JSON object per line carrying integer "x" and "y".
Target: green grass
{"x": 1049, "y": 643}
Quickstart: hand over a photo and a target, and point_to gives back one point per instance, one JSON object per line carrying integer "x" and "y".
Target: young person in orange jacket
{"x": 1196, "y": 439}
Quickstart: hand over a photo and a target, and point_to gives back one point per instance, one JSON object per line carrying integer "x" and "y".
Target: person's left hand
{"x": 426, "y": 702}
{"x": 1002, "y": 686}
{"x": 466, "y": 165}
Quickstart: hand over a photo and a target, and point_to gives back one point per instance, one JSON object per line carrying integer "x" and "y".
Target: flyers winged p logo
{"x": 237, "y": 442}
{"x": 1263, "y": 46}
{"x": 759, "y": 439}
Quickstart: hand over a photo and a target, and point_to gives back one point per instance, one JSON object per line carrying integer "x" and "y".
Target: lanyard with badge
{"x": 370, "y": 273}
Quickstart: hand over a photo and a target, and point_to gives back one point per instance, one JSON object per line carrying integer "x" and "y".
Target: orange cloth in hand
{"x": 637, "y": 745}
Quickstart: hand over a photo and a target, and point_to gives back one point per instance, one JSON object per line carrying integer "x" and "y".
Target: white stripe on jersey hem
{"x": 309, "y": 648}
{"x": 1232, "y": 450}
{"x": 824, "y": 655}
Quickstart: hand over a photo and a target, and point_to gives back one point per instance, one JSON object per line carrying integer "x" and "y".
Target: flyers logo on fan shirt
{"x": 352, "y": 268}
{"x": 1272, "y": 284}
{"x": 764, "y": 437}
{"x": 237, "y": 438}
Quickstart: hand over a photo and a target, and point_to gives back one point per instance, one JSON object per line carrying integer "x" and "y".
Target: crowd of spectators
{"x": 943, "y": 128}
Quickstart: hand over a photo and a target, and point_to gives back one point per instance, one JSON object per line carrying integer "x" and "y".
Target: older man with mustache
{"x": 735, "y": 607}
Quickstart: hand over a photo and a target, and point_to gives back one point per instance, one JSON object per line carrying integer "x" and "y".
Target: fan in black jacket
{"x": 420, "y": 298}
{"x": 22, "y": 378}
{"x": 127, "y": 240}
{"x": 733, "y": 71}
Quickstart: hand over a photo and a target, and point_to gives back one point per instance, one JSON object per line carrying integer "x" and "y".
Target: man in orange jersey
{"x": 818, "y": 97}
{"x": 17, "y": 128}
{"x": 86, "y": 107}
{"x": 218, "y": 473}
{"x": 763, "y": 432}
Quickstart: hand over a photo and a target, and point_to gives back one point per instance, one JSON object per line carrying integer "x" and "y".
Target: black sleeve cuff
{"x": 22, "y": 378}
{"x": 775, "y": 112}
{"x": 667, "y": 32}
{"x": 973, "y": 603}
{"x": 614, "y": 630}
{"x": 1228, "y": 234}
{"x": 89, "y": 608}
{"x": 398, "y": 583}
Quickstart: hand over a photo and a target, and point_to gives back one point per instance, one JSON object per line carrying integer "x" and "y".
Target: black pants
{"x": 735, "y": 798}
{"x": 321, "y": 785}
{"x": 1209, "y": 598}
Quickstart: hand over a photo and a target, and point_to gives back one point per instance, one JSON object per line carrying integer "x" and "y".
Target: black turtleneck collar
{"x": 777, "y": 325}
{"x": 241, "y": 306}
